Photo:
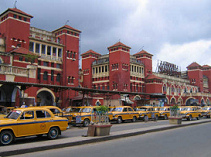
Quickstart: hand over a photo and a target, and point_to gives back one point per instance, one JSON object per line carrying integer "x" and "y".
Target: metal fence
{"x": 98, "y": 117}
{"x": 175, "y": 113}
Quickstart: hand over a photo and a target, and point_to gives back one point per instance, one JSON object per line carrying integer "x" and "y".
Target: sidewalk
{"x": 73, "y": 141}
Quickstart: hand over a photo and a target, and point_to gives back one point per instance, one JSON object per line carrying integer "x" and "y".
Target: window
{"x": 31, "y": 46}
{"x": 14, "y": 15}
{"x": 54, "y": 51}
{"x": 20, "y": 18}
{"x": 102, "y": 69}
{"x": 45, "y": 64}
{"x": 38, "y": 73}
{"x": 49, "y": 50}
{"x": 58, "y": 77}
{"x": 52, "y": 75}
{"x": 37, "y": 48}
{"x": 27, "y": 115}
{"x": 20, "y": 58}
{"x": 43, "y": 49}
{"x": 58, "y": 65}
{"x": 42, "y": 114}
{"x": 24, "y": 19}
{"x": 106, "y": 68}
{"x": 59, "y": 52}
{"x": 45, "y": 76}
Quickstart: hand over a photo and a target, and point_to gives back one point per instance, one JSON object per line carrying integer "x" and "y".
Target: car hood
{"x": 7, "y": 121}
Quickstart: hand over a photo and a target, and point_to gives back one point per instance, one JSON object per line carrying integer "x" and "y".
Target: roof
{"x": 17, "y": 11}
{"x": 68, "y": 27}
{"x": 22, "y": 50}
{"x": 90, "y": 52}
{"x": 206, "y": 66}
{"x": 143, "y": 52}
{"x": 195, "y": 65}
{"x": 119, "y": 44}
{"x": 150, "y": 77}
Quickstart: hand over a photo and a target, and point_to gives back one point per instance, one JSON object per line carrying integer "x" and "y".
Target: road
{"x": 191, "y": 141}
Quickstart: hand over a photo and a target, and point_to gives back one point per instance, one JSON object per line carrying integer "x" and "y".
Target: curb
{"x": 94, "y": 140}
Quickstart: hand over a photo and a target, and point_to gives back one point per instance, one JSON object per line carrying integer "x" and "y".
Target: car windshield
{"x": 14, "y": 114}
{"x": 118, "y": 109}
{"x": 141, "y": 109}
{"x": 186, "y": 109}
{"x": 86, "y": 110}
{"x": 206, "y": 108}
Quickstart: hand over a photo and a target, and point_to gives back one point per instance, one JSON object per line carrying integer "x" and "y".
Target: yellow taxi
{"x": 122, "y": 113}
{"x": 58, "y": 112}
{"x": 22, "y": 122}
{"x": 190, "y": 112}
{"x": 86, "y": 114}
{"x": 164, "y": 112}
{"x": 147, "y": 112}
{"x": 206, "y": 111}
{"x": 83, "y": 115}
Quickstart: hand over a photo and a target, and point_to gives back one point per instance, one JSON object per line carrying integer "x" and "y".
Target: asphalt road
{"x": 191, "y": 141}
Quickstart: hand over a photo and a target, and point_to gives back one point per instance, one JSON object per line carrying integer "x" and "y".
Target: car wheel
{"x": 165, "y": 117}
{"x": 53, "y": 133}
{"x": 190, "y": 118}
{"x": 86, "y": 122}
{"x": 198, "y": 117}
{"x": 134, "y": 119}
{"x": 6, "y": 137}
{"x": 119, "y": 120}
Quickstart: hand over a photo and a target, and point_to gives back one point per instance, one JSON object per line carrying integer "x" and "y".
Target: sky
{"x": 176, "y": 31}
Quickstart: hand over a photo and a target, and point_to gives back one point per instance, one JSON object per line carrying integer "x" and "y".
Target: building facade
{"x": 29, "y": 54}
{"x": 120, "y": 71}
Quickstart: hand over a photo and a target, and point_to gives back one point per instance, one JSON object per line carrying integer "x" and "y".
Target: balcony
{"x": 11, "y": 70}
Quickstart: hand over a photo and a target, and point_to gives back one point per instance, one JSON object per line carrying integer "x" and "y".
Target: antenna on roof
{"x": 15, "y": 4}
{"x": 66, "y": 22}
{"x": 141, "y": 48}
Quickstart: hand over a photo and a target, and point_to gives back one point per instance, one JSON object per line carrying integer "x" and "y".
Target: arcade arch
{"x": 45, "y": 97}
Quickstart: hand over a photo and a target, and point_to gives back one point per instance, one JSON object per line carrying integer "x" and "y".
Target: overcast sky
{"x": 176, "y": 31}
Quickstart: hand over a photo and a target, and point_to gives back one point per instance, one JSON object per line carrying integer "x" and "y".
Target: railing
{"x": 175, "y": 113}
{"x": 6, "y": 69}
{"x": 98, "y": 117}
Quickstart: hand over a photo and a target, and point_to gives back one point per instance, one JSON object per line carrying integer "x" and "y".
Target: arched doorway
{"x": 191, "y": 102}
{"x": 45, "y": 98}
{"x": 173, "y": 101}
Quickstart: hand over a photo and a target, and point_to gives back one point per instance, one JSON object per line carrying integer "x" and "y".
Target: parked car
{"x": 122, "y": 113}
{"x": 164, "y": 112}
{"x": 83, "y": 115}
{"x": 147, "y": 112}
{"x": 206, "y": 111}
{"x": 22, "y": 122}
{"x": 58, "y": 112}
{"x": 190, "y": 112}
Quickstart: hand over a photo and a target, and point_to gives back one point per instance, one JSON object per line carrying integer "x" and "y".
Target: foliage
{"x": 175, "y": 107}
{"x": 102, "y": 109}
{"x": 31, "y": 57}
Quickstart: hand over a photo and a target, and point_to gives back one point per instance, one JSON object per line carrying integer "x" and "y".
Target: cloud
{"x": 184, "y": 54}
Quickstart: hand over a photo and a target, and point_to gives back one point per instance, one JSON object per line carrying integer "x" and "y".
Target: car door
{"x": 26, "y": 124}
{"x": 125, "y": 114}
{"x": 43, "y": 122}
{"x": 130, "y": 113}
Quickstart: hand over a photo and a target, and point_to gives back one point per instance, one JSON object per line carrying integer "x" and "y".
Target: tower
{"x": 119, "y": 67}
{"x": 15, "y": 28}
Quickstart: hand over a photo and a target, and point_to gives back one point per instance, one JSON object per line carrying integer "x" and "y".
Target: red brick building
{"x": 29, "y": 54}
{"x": 120, "y": 71}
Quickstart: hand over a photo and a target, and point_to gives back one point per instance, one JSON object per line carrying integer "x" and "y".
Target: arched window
{"x": 45, "y": 76}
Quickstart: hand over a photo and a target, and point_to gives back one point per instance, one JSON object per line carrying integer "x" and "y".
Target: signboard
{"x": 78, "y": 119}
{"x": 168, "y": 68}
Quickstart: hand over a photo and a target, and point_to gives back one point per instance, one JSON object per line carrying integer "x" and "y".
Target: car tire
{"x": 86, "y": 122}
{"x": 165, "y": 117}
{"x": 6, "y": 137}
{"x": 156, "y": 117}
{"x": 119, "y": 120}
{"x": 198, "y": 117}
{"x": 53, "y": 133}
{"x": 134, "y": 119}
